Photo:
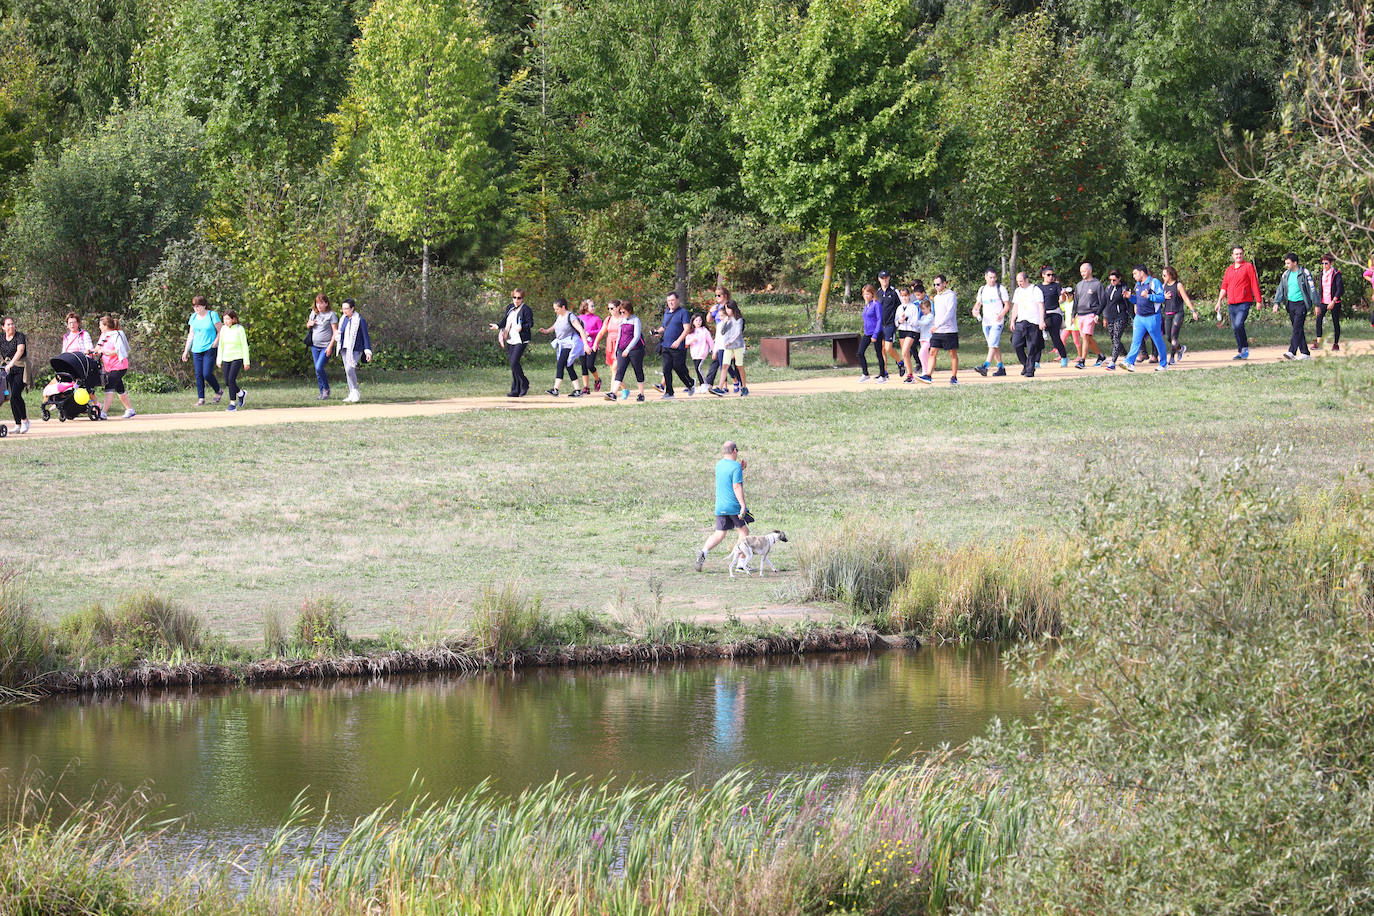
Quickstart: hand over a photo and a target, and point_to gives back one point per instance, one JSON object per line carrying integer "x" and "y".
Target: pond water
{"x": 234, "y": 759}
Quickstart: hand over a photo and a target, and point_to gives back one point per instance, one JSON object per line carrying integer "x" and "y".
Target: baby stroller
{"x": 78, "y": 375}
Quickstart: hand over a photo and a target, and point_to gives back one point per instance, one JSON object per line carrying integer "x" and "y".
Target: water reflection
{"x": 236, "y": 759}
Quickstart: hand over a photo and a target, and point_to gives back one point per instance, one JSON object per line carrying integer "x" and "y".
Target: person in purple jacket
{"x": 873, "y": 335}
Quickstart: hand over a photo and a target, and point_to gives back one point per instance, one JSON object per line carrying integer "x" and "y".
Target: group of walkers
{"x": 900, "y": 320}
{"x": 686, "y": 341}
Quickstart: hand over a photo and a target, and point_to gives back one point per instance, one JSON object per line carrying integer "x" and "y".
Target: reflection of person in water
{"x": 728, "y": 724}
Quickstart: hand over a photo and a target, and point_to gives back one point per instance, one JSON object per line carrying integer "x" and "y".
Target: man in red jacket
{"x": 1240, "y": 288}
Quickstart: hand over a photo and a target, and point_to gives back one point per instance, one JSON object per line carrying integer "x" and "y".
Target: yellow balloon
{"x": 82, "y": 396}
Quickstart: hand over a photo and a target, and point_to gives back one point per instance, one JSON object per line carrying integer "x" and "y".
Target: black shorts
{"x": 727, "y": 522}
{"x": 888, "y": 332}
{"x": 946, "y": 341}
{"x": 908, "y": 335}
{"x": 113, "y": 381}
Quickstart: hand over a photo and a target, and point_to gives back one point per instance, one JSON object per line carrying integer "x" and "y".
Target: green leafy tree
{"x": 1321, "y": 162}
{"x": 260, "y": 74}
{"x": 84, "y": 50}
{"x": 645, "y": 89}
{"x": 95, "y": 214}
{"x": 836, "y": 117}
{"x": 26, "y": 108}
{"x": 1036, "y": 137}
{"x": 424, "y": 83}
{"x": 1182, "y": 69}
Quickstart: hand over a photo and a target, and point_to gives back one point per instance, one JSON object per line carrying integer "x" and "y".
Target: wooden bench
{"x": 844, "y": 347}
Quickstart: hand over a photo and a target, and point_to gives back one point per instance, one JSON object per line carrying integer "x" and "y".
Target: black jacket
{"x": 526, "y": 320}
{"x": 1117, "y": 307}
{"x": 891, "y": 302}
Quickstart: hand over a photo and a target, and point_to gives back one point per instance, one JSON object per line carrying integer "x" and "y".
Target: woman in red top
{"x": 113, "y": 350}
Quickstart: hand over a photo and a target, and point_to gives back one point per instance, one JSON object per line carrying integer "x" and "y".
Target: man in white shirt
{"x": 1028, "y": 313}
{"x": 991, "y": 308}
{"x": 944, "y": 334}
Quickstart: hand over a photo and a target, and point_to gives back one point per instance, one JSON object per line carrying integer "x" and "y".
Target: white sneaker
{"x": 353, "y": 397}
{"x": 864, "y": 378}
{"x": 24, "y": 426}
{"x": 882, "y": 379}
{"x": 104, "y": 415}
{"x": 130, "y": 414}
{"x": 1302, "y": 356}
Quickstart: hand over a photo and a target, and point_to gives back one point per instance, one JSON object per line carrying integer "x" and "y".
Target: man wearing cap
{"x": 1332, "y": 287}
{"x": 1240, "y": 290}
{"x": 890, "y": 302}
{"x": 729, "y": 500}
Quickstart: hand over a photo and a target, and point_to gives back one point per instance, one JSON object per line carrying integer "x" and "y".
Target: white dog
{"x": 755, "y": 545}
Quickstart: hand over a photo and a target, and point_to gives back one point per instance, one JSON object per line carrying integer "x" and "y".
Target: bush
{"x": 151, "y": 383}
{"x": 504, "y": 618}
{"x": 983, "y": 592}
{"x": 23, "y": 643}
{"x": 98, "y": 212}
{"x": 1208, "y": 711}
{"x": 142, "y": 625}
{"x": 858, "y": 570}
{"x": 319, "y": 629}
{"x": 189, "y": 267}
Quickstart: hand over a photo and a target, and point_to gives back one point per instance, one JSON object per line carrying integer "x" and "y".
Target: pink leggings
{"x": 925, "y": 357}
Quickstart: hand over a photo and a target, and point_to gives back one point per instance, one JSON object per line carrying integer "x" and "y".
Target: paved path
{"x": 338, "y": 411}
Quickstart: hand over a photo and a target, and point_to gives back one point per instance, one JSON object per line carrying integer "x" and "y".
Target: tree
{"x": 96, "y": 214}
{"x": 644, "y": 89}
{"x": 26, "y": 108}
{"x": 836, "y": 117}
{"x": 1036, "y": 137}
{"x": 260, "y": 74}
{"x": 1182, "y": 69}
{"x": 84, "y": 49}
{"x": 424, "y": 83}
{"x": 1322, "y": 158}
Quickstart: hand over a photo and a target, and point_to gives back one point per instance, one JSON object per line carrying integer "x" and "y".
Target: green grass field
{"x": 404, "y": 519}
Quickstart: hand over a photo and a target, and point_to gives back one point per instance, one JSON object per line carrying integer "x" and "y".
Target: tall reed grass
{"x": 854, "y": 567}
{"x": 981, "y": 591}
{"x": 913, "y": 838}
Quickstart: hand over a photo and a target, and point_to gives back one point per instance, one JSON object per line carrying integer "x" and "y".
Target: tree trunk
{"x": 830, "y": 246}
{"x": 1002, "y": 250}
{"x": 1015, "y": 253}
{"x": 681, "y": 279}
{"x": 1164, "y": 238}
{"x": 848, "y": 287}
{"x": 424, "y": 287}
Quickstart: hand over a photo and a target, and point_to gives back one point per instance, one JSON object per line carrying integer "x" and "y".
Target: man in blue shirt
{"x": 729, "y": 500}
{"x": 1147, "y": 297}
{"x": 677, "y": 323}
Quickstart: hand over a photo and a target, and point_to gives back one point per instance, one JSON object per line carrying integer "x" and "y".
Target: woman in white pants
{"x": 354, "y": 345}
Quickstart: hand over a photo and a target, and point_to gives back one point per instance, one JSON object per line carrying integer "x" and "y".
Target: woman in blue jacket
{"x": 873, "y": 334}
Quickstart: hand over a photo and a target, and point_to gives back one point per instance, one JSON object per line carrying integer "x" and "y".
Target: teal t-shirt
{"x": 1294, "y": 286}
{"x": 203, "y": 331}
{"x": 728, "y": 473}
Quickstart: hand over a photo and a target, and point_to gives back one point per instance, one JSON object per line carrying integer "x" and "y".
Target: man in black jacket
{"x": 890, "y": 302}
{"x": 513, "y": 333}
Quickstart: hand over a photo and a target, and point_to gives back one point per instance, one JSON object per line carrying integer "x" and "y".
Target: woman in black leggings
{"x": 13, "y": 359}
{"x": 629, "y": 351}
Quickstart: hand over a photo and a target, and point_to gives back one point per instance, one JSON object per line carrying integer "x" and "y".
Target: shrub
{"x": 504, "y": 618}
{"x": 156, "y": 625}
{"x": 190, "y": 267}
{"x": 23, "y": 643}
{"x": 1208, "y": 711}
{"x": 981, "y": 591}
{"x": 80, "y": 232}
{"x": 319, "y": 629}
{"x": 274, "y": 641}
{"x": 858, "y": 570}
